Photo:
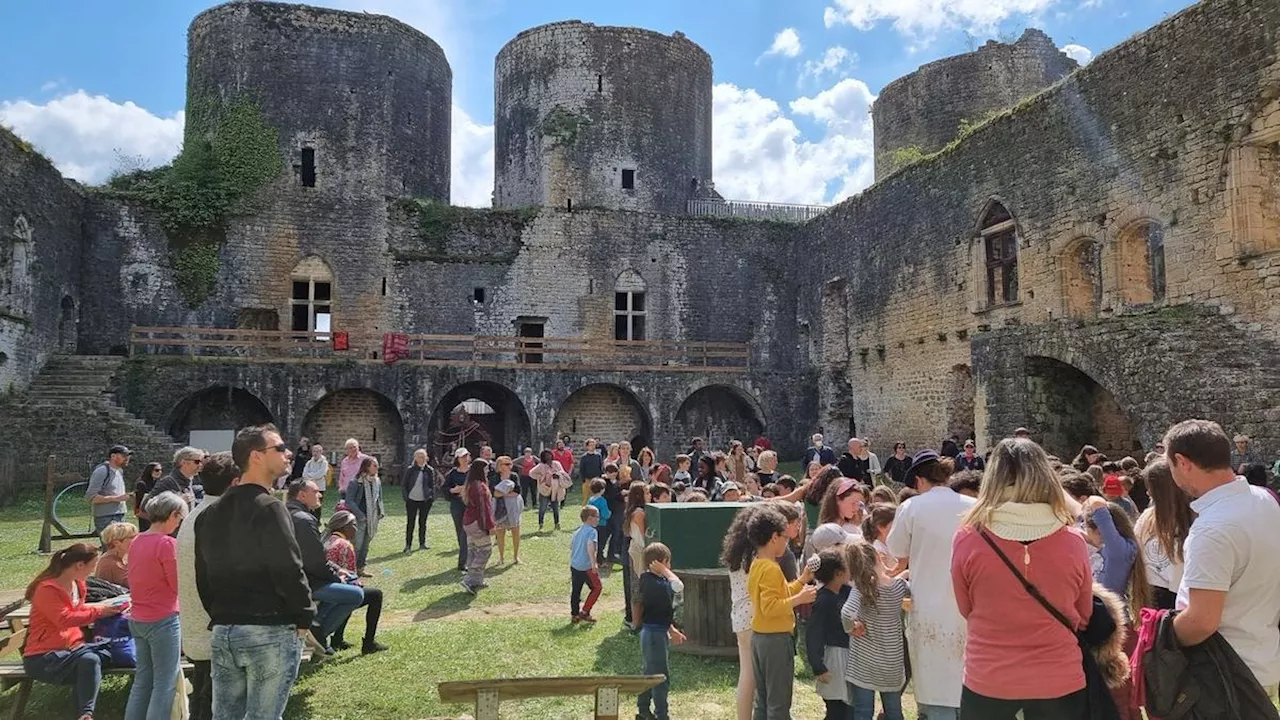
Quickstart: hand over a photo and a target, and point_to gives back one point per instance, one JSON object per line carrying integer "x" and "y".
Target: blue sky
{"x": 92, "y": 82}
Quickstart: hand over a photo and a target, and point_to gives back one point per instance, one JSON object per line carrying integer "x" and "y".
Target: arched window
{"x": 1140, "y": 253}
{"x": 312, "y": 297}
{"x": 629, "y": 312}
{"x": 1082, "y": 279}
{"x": 1000, "y": 248}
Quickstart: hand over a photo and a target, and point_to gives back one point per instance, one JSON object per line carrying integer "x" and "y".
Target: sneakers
{"x": 371, "y": 647}
{"x": 341, "y": 645}
{"x": 424, "y": 546}
{"x": 408, "y": 549}
{"x": 467, "y": 587}
{"x": 587, "y": 618}
{"x": 575, "y": 619}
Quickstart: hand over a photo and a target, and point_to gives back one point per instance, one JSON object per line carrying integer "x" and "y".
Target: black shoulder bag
{"x": 1101, "y": 705}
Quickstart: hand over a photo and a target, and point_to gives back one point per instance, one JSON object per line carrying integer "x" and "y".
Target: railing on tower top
{"x": 752, "y": 210}
{"x": 442, "y": 350}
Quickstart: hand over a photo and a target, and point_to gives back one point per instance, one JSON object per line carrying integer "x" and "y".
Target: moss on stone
{"x": 437, "y": 222}
{"x": 561, "y": 126}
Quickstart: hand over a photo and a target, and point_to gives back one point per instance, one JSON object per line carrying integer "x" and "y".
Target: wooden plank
{"x": 464, "y": 691}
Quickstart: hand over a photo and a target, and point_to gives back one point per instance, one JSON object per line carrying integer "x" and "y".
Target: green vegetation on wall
{"x": 561, "y": 126}
{"x": 215, "y": 176}
{"x": 904, "y": 156}
{"x": 437, "y": 222}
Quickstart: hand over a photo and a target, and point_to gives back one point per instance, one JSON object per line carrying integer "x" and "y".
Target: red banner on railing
{"x": 394, "y": 347}
{"x": 341, "y": 341}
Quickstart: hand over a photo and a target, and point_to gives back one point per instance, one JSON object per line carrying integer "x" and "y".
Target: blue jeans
{"x": 864, "y": 704}
{"x": 938, "y": 712}
{"x": 253, "y": 669}
{"x": 362, "y": 543}
{"x": 100, "y": 523}
{"x": 334, "y": 603}
{"x": 81, "y": 667}
{"x": 543, "y": 502}
{"x": 653, "y": 651}
{"x": 159, "y": 646}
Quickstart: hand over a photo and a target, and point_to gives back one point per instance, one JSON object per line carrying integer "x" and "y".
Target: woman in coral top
{"x": 1018, "y": 655}
{"x": 55, "y": 651}
{"x": 153, "y": 586}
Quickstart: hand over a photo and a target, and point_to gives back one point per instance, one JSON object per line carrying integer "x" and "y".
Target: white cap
{"x": 829, "y": 535}
{"x": 460, "y": 452}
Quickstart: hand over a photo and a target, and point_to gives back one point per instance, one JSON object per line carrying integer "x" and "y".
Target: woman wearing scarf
{"x": 364, "y": 500}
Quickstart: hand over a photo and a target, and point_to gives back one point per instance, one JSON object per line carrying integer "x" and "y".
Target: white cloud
{"x": 926, "y": 17}
{"x": 86, "y": 135}
{"x": 472, "y": 160}
{"x": 1079, "y": 53}
{"x": 761, "y": 154}
{"x": 832, "y": 62}
{"x": 786, "y": 43}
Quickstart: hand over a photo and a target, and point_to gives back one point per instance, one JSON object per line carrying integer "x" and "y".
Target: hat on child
{"x": 460, "y": 452}
{"x": 829, "y": 535}
{"x": 1112, "y": 487}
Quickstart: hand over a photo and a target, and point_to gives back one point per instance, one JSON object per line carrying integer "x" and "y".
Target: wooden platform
{"x": 488, "y": 694}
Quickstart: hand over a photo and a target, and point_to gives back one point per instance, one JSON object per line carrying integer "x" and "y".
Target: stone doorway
{"x": 474, "y": 414}
{"x": 1067, "y": 409}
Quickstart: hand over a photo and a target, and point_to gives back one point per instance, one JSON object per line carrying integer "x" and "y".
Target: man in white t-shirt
{"x": 1231, "y": 578}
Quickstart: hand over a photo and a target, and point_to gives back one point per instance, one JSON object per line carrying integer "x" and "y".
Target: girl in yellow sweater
{"x": 773, "y": 621}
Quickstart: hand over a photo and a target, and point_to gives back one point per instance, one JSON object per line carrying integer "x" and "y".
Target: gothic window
{"x": 1000, "y": 244}
{"x": 312, "y": 297}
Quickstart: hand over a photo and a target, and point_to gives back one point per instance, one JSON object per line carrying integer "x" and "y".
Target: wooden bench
{"x": 488, "y": 694}
{"x": 14, "y": 674}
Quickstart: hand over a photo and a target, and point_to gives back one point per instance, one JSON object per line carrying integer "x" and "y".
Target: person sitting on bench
{"x": 55, "y": 650}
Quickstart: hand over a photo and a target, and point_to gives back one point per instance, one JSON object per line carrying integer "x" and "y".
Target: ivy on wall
{"x": 215, "y": 176}
{"x": 436, "y": 222}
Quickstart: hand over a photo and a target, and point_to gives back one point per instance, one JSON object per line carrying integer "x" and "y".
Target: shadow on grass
{"x": 619, "y": 654}
{"x": 446, "y": 606}
{"x": 445, "y": 578}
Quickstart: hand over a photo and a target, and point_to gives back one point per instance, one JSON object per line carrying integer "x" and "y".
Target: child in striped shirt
{"x": 873, "y": 618}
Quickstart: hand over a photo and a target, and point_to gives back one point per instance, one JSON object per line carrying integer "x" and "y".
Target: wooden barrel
{"x": 705, "y": 613}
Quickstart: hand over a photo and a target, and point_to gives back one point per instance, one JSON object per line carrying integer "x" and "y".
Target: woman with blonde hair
{"x": 1020, "y": 655}
{"x": 113, "y": 564}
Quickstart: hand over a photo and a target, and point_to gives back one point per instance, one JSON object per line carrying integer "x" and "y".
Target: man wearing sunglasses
{"x": 250, "y": 577}
{"x": 183, "y": 479}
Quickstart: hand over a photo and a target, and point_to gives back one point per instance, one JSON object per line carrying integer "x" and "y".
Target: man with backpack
{"x": 106, "y": 493}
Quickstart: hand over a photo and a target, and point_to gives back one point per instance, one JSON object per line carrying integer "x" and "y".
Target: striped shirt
{"x": 876, "y": 658}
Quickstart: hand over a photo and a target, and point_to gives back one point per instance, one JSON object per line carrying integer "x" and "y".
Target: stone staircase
{"x": 69, "y": 411}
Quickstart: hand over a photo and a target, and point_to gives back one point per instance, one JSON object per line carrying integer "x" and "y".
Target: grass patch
{"x": 517, "y": 627}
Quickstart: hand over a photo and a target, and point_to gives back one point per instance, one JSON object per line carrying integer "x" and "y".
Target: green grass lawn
{"x": 517, "y": 627}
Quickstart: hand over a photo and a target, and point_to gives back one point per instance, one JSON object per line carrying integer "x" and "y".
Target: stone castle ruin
{"x": 1091, "y": 252}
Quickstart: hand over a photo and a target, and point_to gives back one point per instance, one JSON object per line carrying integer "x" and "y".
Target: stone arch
{"x": 995, "y": 255}
{"x": 960, "y": 403}
{"x": 219, "y": 407}
{"x": 1067, "y": 408}
{"x": 719, "y": 413}
{"x": 1081, "y": 264}
{"x": 607, "y": 412}
{"x": 366, "y": 415}
{"x": 496, "y": 416}
{"x": 1140, "y": 264}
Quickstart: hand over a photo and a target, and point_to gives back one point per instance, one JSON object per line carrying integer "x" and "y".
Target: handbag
{"x": 1101, "y": 705}
{"x": 115, "y": 637}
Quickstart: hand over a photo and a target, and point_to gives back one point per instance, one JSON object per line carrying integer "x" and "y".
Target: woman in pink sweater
{"x": 153, "y": 588}
{"x": 1018, "y": 655}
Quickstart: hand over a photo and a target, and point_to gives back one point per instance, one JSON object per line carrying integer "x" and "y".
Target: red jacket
{"x": 56, "y": 624}
{"x": 565, "y": 457}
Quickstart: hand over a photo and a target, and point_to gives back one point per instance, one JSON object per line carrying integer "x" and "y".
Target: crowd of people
{"x": 1000, "y": 583}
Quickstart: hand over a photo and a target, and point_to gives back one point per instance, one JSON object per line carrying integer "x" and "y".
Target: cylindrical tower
{"x": 920, "y": 113}
{"x": 601, "y": 117}
{"x": 361, "y": 102}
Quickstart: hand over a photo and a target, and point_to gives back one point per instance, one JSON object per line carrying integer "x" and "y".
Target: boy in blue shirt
{"x": 582, "y": 565}
{"x": 653, "y": 609}
{"x": 601, "y": 504}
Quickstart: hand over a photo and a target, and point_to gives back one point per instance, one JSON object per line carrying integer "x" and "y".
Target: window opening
{"x": 1000, "y": 238}
{"x": 628, "y": 316}
{"x": 478, "y": 294}
{"x": 531, "y": 352}
{"x": 308, "y": 167}
{"x": 311, "y": 306}
{"x": 628, "y": 179}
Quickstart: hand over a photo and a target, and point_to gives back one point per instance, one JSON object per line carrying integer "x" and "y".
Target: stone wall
{"x": 605, "y": 412}
{"x": 40, "y": 262}
{"x": 927, "y": 109}
{"x": 1154, "y": 140}
{"x": 578, "y": 105}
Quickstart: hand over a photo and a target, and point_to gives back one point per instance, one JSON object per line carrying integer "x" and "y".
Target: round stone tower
{"x": 920, "y": 113}
{"x": 361, "y": 102}
{"x": 594, "y": 116}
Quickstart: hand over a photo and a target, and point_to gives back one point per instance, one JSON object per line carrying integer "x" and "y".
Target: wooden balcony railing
{"x": 443, "y": 350}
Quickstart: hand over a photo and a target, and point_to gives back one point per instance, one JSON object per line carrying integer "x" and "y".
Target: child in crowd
{"x": 770, "y": 491}
{"x": 1124, "y": 572}
{"x": 883, "y": 494}
{"x": 786, "y": 484}
{"x": 682, "y": 469}
{"x": 872, "y": 615}
{"x": 773, "y": 603}
{"x": 1114, "y": 490}
{"x": 583, "y": 567}
{"x": 875, "y": 530}
{"x": 598, "y": 501}
{"x": 826, "y": 642}
{"x": 681, "y": 491}
{"x": 653, "y": 610}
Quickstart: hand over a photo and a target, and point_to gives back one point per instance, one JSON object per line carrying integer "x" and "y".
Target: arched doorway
{"x": 960, "y": 392}
{"x": 476, "y": 413}
{"x": 718, "y": 414}
{"x": 209, "y": 418}
{"x": 608, "y": 413}
{"x": 365, "y": 415}
{"x": 1068, "y": 409}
